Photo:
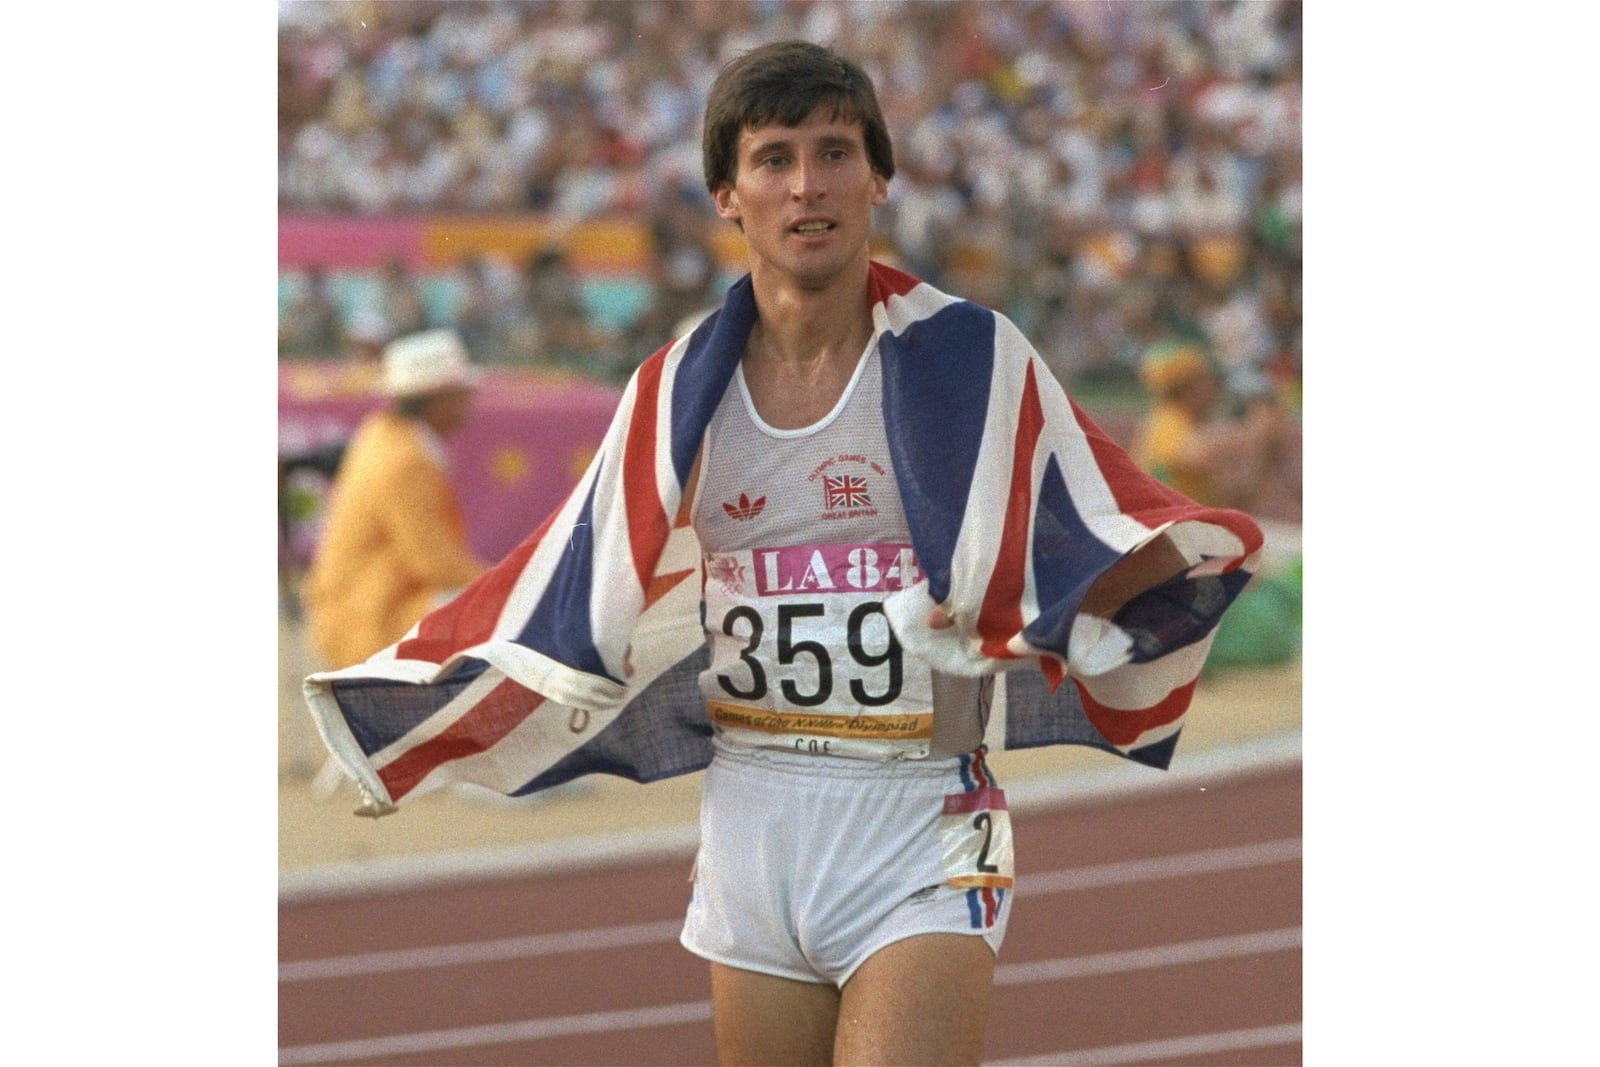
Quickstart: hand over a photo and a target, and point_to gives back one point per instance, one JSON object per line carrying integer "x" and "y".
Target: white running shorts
{"x": 810, "y": 864}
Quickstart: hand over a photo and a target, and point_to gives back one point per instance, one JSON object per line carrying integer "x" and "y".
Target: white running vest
{"x": 804, "y": 536}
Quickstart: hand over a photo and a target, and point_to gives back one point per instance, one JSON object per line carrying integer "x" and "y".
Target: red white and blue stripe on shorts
{"x": 983, "y": 902}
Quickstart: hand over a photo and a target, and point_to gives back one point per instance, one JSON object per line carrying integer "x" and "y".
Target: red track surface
{"x": 1162, "y": 929}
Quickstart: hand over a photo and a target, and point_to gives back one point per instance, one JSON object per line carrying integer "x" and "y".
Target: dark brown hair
{"x": 784, "y": 82}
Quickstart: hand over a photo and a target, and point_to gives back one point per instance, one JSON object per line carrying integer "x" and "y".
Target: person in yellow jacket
{"x": 394, "y": 543}
{"x": 1187, "y": 442}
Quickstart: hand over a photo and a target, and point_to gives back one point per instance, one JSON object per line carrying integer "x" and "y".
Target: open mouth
{"x": 811, "y": 229}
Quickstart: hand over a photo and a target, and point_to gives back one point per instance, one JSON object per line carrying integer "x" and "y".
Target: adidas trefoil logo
{"x": 746, "y": 508}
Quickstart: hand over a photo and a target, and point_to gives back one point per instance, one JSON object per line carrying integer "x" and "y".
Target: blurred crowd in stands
{"x": 1111, "y": 174}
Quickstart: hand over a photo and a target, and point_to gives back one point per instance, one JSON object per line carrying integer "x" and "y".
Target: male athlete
{"x": 852, "y": 882}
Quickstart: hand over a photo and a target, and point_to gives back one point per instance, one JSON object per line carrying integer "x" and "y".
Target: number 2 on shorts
{"x": 975, "y": 829}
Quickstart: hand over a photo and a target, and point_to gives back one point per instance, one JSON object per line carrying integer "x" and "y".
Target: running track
{"x": 1158, "y": 928}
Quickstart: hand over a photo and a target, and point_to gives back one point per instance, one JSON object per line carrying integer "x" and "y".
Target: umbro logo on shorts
{"x": 923, "y": 895}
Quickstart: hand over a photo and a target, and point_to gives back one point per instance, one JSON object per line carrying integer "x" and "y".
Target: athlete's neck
{"x": 796, "y": 377}
{"x": 810, "y": 326}
{"x": 808, "y": 347}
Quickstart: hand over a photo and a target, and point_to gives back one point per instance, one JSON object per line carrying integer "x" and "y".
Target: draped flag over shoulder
{"x": 579, "y": 652}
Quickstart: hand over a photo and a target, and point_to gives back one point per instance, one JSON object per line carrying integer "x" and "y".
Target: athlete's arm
{"x": 692, "y": 486}
{"x": 1144, "y": 568}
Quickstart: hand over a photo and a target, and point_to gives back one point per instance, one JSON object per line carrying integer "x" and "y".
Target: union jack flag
{"x": 846, "y": 491}
{"x": 580, "y": 652}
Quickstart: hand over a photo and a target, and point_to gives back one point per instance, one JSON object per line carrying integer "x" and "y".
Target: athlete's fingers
{"x": 939, "y": 618}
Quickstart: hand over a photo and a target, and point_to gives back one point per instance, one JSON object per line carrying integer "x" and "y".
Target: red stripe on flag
{"x": 1153, "y": 502}
{"x": 496, "y": 715}
{"x": 1000, "y": 618}
{"x": 662, "y": 584}
{"x": 988, "y": 906}
{"x": 884, "y": 281}
{"x": 1134, "y": 491}
{"x": 1124, "y": 727}
{"x": 647, "y": 521}
{"x": 469, "y": 618}
{"x": 1054, "y": 673}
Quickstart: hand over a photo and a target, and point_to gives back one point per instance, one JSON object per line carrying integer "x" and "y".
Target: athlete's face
{"x": 804, "y": 195}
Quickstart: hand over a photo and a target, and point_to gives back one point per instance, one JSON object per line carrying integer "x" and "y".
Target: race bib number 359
{"x": 803, "y": 655}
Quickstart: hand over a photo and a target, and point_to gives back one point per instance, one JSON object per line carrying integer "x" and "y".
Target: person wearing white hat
{"x": 394, "y": 543}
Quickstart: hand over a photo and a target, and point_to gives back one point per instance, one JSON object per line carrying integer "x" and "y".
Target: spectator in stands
{"x": 485, "y": 307}
{"x": 394, "y": 544}
{"x": 1190, "y": 441}
{"x": 362, "y": 337}
{"x": 400, "y": 298}
{"x": 551, "y": 326}
{"x": 365, "y": 333}
{"x": 685, "y": 276}
{"x": 309, "y": 325}
{"x": 925, "y": 210}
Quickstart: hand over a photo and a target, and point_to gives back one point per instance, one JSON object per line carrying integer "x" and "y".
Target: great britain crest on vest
{"x": 846, "y": 493}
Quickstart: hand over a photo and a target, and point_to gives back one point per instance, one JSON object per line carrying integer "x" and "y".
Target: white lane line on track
{"x": 1141, "y": 959}
{"x": 599, "y": 1022}
{"x": 1211, "y": 861}
{"x": 1098, "y": 876}
{"x": 507, "y": 948}
{"x": 1185, "y": 952}
{"x": 1165, "y": 1049}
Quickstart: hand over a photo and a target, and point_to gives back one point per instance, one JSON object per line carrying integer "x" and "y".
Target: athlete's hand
{"x": 939, "y": 618}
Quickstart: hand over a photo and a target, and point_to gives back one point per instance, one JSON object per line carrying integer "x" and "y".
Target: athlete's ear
{"x": 727, "y": 202}
{"x": 880, "y": 189}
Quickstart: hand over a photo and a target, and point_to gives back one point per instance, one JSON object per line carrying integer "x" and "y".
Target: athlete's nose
{"x": 806, "y": 183}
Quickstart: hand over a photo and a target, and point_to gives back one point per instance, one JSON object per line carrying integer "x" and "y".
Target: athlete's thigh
{"x": 764, "y": 1019}
{"x": 920, "y": 1001}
